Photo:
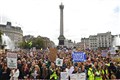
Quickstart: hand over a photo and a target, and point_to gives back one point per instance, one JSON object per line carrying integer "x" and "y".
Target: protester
{"x": 112, "y": 70}
{"x": 5, "y": 73}
{"x": 25, "y": 71}
{"x": 44, "y": 72}
{"x": 39, "y": 65}
{"x": 53, "y": 72}
{"x": 0, "y": 70}
{"x": 98, "y": 73}
{"x": 14, "y": 74}
{"x": 90, "y": 73}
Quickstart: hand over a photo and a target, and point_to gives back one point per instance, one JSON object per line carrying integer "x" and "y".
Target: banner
{"x": 79, "y": 56}
{"x": 64, "y": 76}
{"x": 59, "y": 62}
{"x": 11, "y": 60}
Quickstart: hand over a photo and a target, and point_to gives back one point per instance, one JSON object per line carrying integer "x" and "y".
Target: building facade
{"x": 101, "y": 40}
{"x": 69, "y": 43}
{"x": 84, "y": 43}
{"x": 104, "y": 40}
{"x": 13, "y": 32}
{"x": 93, "y": 41}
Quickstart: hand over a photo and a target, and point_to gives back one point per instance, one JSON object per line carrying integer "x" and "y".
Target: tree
{"x": 35, "y": 42}
{"x": 1, "y": 37}
{"x": 38, "y": 43}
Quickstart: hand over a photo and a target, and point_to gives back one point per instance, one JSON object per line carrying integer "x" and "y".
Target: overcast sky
{"x": 81, "y": 17}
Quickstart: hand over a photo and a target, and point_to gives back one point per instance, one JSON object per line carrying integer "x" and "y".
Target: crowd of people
{"x": 38, "y": 65}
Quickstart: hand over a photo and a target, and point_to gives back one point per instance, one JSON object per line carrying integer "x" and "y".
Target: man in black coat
{"x": 118, "y": 73}
{"x": 112, "y": 70}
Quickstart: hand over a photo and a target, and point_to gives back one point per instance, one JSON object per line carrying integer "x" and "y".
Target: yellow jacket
{"x": 90, "y": 74}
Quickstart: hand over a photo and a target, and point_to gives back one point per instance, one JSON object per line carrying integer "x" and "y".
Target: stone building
{"x": 69, "y": 43}
{"x": 85, "y": 42}
{"x": 93, "y": 41}
{"x": 15, "y": 33}
{"x": 104, "y": 40}
{"x": 101, "y": 40}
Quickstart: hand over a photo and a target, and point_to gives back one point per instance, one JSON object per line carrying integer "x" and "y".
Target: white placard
{"x": 82, "y": 76}
{"x": 78, "y": 76}
{"x": 11, "y": 60}
{"x": 112, "y": 51}
{"x": 73, "y": 77}
{"x": 59, "y": 62}
{"x": 64, "y": 76}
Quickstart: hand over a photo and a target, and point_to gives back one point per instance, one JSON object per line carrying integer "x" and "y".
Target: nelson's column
{"x": 61, "y": 38}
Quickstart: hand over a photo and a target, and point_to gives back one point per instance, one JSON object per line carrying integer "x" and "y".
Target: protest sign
{"x": 113, "y": 51}
{"x": 11, "y": 60}
{"x": 78, "y": 76}
{"x": 52, "y": 54}
{"x": 82, "y": 76}
{"x": 73, "y": 77}
{"x": 104, "y": 53}
{"x": 64, "y": 76}
{"x": 59, "y": 62}
{"x": 78, "y": 56}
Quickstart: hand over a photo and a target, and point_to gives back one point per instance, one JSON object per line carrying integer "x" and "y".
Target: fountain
{"x": 116, "y": 42}
{"x": 7, "y": 42}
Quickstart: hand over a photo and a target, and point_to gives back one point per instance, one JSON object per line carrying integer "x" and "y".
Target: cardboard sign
{"x": 59, "y": 62}
{"x": 52, "y": 54}
{"x": 11, "y": 60}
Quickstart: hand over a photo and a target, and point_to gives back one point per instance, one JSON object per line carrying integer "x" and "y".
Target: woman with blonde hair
{"x": 36, "y": 72}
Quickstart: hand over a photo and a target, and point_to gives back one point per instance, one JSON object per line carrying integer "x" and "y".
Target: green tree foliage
{"x": 1, "y": 37}
{"x": 35, "y": 42}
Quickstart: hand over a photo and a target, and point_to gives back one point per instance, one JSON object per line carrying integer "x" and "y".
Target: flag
{"x": 41, "y": 49}
{"x": 30, "y": 43}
